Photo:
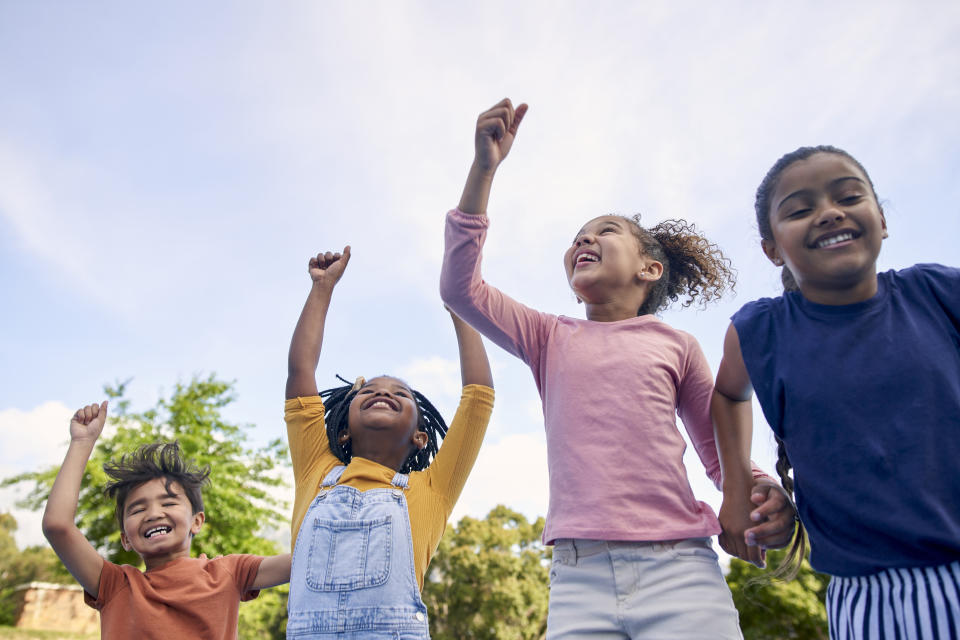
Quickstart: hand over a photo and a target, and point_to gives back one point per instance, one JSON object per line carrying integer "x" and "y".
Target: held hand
{"x": 774, "y": 518}
{"x": 496, "y": 130}
{"x": 87, "y": 423}
{"x": 735, "y": 519}
{"x": 327, "y": 268}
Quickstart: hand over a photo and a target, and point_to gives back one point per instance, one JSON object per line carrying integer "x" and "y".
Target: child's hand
{"x": 735, "y": 519}
{"x": 775, "y": 516}
{"x": 496, "y": 130}
{"x": 87, "y": 423}
{"x": 326, "y": 268}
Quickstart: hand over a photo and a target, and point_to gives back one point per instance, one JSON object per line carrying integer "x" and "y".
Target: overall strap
{"x": 400, "y": 480}
{"x": 333, "y": 477}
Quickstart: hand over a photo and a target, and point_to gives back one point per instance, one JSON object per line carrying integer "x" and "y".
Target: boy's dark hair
{"x": 336, "y": 407}
{"x": 151, "y": 461}
{"x": 769, "y": 184}
{"x": 692, "y": 265}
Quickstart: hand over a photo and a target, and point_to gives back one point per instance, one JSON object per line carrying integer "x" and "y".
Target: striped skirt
{"x": 896, "y": 604}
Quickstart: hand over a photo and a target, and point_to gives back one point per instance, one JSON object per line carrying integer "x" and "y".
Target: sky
{"x": 166, "y": 172}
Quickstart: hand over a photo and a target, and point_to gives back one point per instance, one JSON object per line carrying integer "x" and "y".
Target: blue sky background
{"x": 165, "y": 172}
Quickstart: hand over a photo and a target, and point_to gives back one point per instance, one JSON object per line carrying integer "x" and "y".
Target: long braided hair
{"x": 336, "y": 405}
{"x": 693, "y": 267}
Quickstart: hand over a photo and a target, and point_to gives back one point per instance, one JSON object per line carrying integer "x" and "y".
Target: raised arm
{"x": 474, "y": 365}
{"x": 59, "y": 517}
{"x": 325, "y": 271}
{"x": 496, "y": 130}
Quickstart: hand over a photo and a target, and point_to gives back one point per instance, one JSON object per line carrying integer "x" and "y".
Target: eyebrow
{"x": 613, "y": 222}
{"x": 139, "y": 501}
{"x": 832, "y": 183}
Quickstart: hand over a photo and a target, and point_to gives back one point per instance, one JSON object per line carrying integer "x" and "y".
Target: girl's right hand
{"x": 87, "y": 423}
{"x": 496, "y": 130}
{"x": 327, "y": 268}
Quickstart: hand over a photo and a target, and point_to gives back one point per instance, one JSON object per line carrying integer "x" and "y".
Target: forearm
{"x": 474, "y": 364}
{"x": 476, "y": 192}
{"x": 307, "y": 342}
{"x": 60, "y": 514}
{"x": 733, "y": 432}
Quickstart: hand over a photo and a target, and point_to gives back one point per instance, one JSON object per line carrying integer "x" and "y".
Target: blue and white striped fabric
{"x": 896, "y": 604}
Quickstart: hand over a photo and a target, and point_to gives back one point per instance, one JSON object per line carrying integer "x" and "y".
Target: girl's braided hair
{"x": 336, "y": 406}
{"x": 769, "y": 184}
{"x": 693, "y": 266}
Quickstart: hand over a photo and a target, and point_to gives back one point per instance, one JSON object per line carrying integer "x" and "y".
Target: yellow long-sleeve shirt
{"x": 432, "y": 492}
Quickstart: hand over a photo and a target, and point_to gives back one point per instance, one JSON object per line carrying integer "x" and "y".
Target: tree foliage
{"x": 771, "y": 608}
{"x": 489, "y": 579}
{"x": 238, "y": 503}
{"x": 18, "y": 567}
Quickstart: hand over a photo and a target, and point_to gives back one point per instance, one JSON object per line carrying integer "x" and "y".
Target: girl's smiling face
{"x": 827, "y": 228}
{"x": 383, "y": 420}
{"x": 605, "y": 261}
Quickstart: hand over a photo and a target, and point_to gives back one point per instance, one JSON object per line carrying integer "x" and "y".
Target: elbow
{"x": 54, "y": 529}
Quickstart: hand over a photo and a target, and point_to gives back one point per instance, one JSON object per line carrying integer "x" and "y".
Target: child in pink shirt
{"x": 632, "y": 551}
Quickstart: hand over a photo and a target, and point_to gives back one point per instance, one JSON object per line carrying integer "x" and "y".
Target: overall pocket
{"x": 349, "y": 554}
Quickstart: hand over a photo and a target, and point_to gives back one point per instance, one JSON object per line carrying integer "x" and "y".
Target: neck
{"x": 155, "y": 562}
{"x": 610, "y": 311}
{"x": 835, "y": 296}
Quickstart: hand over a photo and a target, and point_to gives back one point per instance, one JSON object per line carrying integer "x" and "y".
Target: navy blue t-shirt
{"x": 866, "y": 398}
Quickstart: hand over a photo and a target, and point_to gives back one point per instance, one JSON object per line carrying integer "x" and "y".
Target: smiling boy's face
{"x": 158, "y": 522}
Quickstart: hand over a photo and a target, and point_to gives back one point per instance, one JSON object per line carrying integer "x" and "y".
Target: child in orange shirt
{"x": 159, "y": 509}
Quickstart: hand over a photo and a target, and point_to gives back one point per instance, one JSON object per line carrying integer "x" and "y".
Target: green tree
{"x": 20, "y": 567}
{"x": 489, "y": 579}
{"x": 238, "y": 503}
{"x": 771, "y": 608}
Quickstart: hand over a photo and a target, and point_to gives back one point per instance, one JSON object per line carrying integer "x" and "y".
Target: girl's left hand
{"x": 775, "y": 514}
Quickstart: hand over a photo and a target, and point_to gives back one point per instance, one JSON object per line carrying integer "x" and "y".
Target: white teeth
{"x": 826, "y": 242}
{"x": 587, "y": 257}
{"x": 152, "y": 532}
{"x": 380, "y": 403}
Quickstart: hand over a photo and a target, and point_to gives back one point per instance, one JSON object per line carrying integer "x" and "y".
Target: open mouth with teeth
{"x": 830, "y": 241}
{"x": 587, "y": 257}
{"x": 157, "y": 531}
{"x": 381, "y": 403}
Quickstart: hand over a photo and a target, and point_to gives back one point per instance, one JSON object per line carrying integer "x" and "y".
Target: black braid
{"x": 336, "y": 404}
{"x": 790, "y": 566}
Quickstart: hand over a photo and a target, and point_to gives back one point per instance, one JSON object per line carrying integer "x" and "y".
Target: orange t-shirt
{"x": 185, "y": 598}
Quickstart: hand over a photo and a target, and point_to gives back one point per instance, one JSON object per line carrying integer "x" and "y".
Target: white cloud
{"x": 512, "y": 472}
{"x": 31, "y": 440}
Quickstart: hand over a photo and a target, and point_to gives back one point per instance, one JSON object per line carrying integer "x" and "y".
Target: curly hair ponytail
{"x": 693, "y": 267}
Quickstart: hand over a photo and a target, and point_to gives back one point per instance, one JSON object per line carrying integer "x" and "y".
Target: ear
{"x": 198, "y": 520}
{"x": 773, "y": 254}
{"x": 652, "y": 271}
{"x": 883, "y": 225}
{"x": 124, "y": 542}
{"x": 420, "y": 439}
{"x": 344, "y": 438}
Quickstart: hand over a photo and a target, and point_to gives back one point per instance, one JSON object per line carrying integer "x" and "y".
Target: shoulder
{"x": 759, "y": 307}
{"x": 924, "y": 274}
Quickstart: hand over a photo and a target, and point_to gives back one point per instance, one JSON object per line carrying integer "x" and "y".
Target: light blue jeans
{"x": 607, "y": 590}
{"x": 353, "y": 576}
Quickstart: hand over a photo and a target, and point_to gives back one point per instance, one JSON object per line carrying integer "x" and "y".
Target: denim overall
{"x": 352, "y": 575}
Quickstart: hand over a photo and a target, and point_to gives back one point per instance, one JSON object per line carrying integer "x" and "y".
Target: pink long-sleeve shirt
{"x": 611, "y": 392}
